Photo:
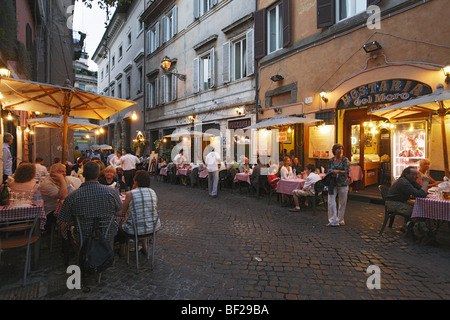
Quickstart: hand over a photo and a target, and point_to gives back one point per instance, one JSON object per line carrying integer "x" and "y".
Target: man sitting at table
{"x": 92, "y": 200}
{"x": 180, "y": 159}
{"x": 244, "y": 167}
{"x": 399, "y": 195}
{"x": 53, "y": 189}
{"x": 308, "y": 187}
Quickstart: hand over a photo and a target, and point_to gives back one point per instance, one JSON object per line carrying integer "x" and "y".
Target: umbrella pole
{"x": 444, "y": 143}
{"x": 64, "y": 138}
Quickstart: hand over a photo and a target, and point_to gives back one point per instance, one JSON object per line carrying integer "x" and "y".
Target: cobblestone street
{"x": 238, "y": 247}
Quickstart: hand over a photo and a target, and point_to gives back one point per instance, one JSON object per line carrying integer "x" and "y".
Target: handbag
{"x": 4, "y": 194}
{"x": 96, "y": 254}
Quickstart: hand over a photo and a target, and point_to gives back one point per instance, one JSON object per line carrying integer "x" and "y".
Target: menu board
{"x": 321, "y": 141}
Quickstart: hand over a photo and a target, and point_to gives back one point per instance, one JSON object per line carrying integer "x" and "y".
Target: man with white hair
{"x": 8, "y": 139}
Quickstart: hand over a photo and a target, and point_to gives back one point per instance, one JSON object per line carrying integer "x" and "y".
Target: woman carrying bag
{"x": 339, "y": 170}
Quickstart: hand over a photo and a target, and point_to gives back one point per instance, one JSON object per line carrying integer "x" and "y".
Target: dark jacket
{"x": 403, "y": 189}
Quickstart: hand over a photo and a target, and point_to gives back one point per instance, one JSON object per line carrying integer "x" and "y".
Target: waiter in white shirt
{"x": 212, "y": 162}
{"x": 128, "y": 163}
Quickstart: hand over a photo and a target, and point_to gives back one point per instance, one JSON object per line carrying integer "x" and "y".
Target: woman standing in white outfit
{"x": 339, "y": 169}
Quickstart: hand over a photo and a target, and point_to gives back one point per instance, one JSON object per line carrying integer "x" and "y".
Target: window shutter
{"x": 286, "y": 23}
{"x": 260, "y": 34}
{"x": 325, "y": 13}
{"x": 175, "y": 20}
{"x": 196, "y": 9}
{"x": 156, "y": 36}
{"x": 250, "y": 51}
{"x": 163, "y": 29}
{"x": 149, "y": 41}
{"x": 166, "y": 88}
{"x": 213, "y": 68}
{"x": 372, "y": 2}
{"x": 156, "y": 99}
{"x": 195, "y": 78}
{"x": 226, "y": 61}
{"x": 174, "y": 86}
{"x": 149, "y": 95}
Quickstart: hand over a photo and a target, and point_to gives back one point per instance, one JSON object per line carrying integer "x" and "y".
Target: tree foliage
{"x": 103, "y": 4}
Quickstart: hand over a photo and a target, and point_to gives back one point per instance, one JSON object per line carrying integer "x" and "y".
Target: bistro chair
{"x": 83, "y": 221}
{"x": 389, "y": 215}
{"x": 385, "y": 173}
{"x": 223, "y": 176}
{"x": 138, "y": 238}
{"x": 319, "y": 196}
{"x": 272, "y": 191}
{"x": 19, "y": 234}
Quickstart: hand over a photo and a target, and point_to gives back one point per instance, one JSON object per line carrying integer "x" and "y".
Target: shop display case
{"x": 408, "y": 145}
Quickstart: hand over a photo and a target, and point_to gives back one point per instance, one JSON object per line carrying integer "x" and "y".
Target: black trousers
{"x": 129, "y": 175}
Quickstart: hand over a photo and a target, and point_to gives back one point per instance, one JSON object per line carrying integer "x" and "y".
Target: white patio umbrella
{"x": 436, "y": 102}
{"x": 58, "y": 122}
{"x": 184, "y": 133}
{"x": 281, "y": 120}
{"x": 63, "y": 100}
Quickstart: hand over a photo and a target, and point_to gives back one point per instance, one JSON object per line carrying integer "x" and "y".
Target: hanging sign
{"x": 382, "y": 92}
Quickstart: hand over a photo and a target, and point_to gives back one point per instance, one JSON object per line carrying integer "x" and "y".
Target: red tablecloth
{"x": 23, "y": 213}
{"x": 242, "y": 176}
{"x": 355, "y": 174}
{"x": 286, "y": 186}
{"x": 431, "y": 208}
{"x": 203, "y": 174}
{"x": 183, "y": 172}
{"x": 163, "y": 171}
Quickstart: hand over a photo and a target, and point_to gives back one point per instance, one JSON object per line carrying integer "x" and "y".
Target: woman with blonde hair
{"x": 423, "y": 171}
{"x": 24, "y": 178}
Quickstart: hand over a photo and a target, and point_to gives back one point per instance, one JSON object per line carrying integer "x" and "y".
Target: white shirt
{"x": 212, "y": 160}
{"x": 128, "y": 161}
{"x": 310, "y": 181}
{"x": 179, "y": 159}
{"x": 7, "y": 160}
{"x": 41, "y": 171}
{"x": 286, "y": 173}
{"x": 115, "y": 162}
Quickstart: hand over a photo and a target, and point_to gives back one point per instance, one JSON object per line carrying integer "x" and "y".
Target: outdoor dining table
{"x": 242, "y": 176}
{"x": 432, "y": 209}
{"x": 9, "y": 213}
{"x": 183, "y": 171}
{"x": 163, "y": 171}
{"x": 203, "y": 174}
{"x": 286, "y": 186}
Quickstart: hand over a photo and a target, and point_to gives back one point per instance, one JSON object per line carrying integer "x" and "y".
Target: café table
{"x": 10, "y": 213}
{"x": 183, "y": 171}
{"x": 355, "y": 174}
{"x": 203, "y": 174}
{"x": 431, "y": 208}
{"x": 242, "y": 176}
{"x": 163, "y": 171}
{"x": 286, "y": 186}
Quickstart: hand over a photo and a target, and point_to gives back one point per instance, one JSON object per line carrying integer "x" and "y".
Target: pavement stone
{"x": 237, "y": 247}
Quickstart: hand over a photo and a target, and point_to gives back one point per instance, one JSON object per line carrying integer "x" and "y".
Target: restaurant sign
{"x": 382, "y": 92}
{"x": 239, "y": 124}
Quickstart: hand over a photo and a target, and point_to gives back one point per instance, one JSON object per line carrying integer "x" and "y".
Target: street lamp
{"x": 166, "y": 63}
{"x": 446, "y": 70}
{"x": 4, "y": 71}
